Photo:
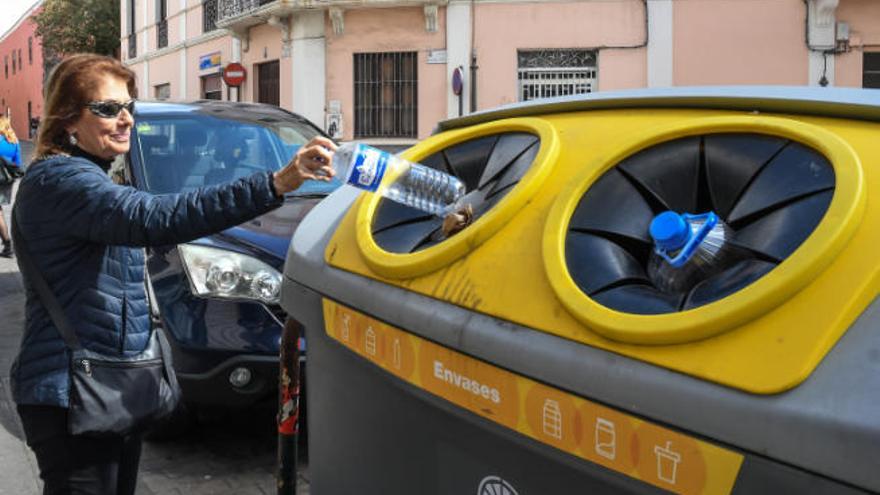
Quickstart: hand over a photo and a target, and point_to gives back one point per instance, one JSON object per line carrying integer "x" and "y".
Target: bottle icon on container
{"x": 552, "y": 417}
{"x": 370, "y": 340}
{"x": 667, "y": 462}
{"x": 346, "y": 327}
{"x": 397, "y": 179}
{"x": 396, "y": 355}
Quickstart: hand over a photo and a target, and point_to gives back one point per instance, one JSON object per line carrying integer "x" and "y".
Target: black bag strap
{"x": 30, "y": 272}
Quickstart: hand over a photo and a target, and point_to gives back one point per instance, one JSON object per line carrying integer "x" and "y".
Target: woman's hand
{"x": 312, "y": 161}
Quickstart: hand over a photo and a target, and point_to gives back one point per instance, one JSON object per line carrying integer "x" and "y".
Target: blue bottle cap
{"x": 670, "y": 231}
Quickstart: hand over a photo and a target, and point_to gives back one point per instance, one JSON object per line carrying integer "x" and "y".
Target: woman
{"x": 10, "y": 151}
{"x": 84, "y": 233}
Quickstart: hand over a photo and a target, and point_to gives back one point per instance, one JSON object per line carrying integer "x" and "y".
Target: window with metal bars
{"x": 132, "y": 46}
{"x": 132, "y": 28}
{"x": 386, "y": 95}
{"x": 209, "y": 15}
{"x": 871, "y": 70}
{"x": 161, "y": 23}
{"x": 549, "y": 73}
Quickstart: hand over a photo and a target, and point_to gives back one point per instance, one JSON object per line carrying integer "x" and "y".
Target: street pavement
{"x": 232, "y": 454}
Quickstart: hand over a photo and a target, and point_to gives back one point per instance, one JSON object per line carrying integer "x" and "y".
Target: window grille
{"x": 871, "y": 70}
{"x": 549, "y": 73}
{"x": 212, "y": 88}
{"x": 209, "y": 15}
{"x": 162, "y": 33}
{"x": 162, "y": 91}
{"x": 385, "y": 94}
{"x": 132, "y": 46}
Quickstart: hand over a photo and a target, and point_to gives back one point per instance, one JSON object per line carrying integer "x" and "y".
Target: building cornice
{"x": 204, "y": 38}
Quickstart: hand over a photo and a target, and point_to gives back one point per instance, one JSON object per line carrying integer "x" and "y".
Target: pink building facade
{"x": 21, "y": 82}
{"x": 386, "y": 71}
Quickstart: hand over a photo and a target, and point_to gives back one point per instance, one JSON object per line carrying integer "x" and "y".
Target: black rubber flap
{"x": 515, "y": 171}
{"x": 496, "y": 163}
{"x": 438, "y": 162}
{"x": 596, "y": 263}
{"x": 669, "y": 172}
{"x": 509, "y": 147}
{"x": 778, "y": 234}
{"x": 797, "y": 171}
{"x": 407, "y": 237}
{"x": 732, "y": 160}
{"x": 727, "y": 282}
{"x": 390, "y": 213}
{"x": 639, "y": 299}
{"x": 468, "y": 159}
{"x": 613, "y": 205}
{"x": 776, "y": 191}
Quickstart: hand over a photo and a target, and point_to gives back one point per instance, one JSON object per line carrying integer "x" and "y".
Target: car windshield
{"x": 180, "y": 154}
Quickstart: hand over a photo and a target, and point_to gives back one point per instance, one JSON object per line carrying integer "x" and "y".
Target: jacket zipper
{"x": 87, "y": 364}
{"x": 124, "y": 320}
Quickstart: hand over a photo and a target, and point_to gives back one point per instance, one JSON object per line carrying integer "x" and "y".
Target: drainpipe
{"x": 473, "y": 67}
{"x": 473, "y": 78}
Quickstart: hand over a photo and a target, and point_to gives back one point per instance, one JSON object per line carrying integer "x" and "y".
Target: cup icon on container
{"x": 606, "y": 439}
{"x": 667, "y": 463}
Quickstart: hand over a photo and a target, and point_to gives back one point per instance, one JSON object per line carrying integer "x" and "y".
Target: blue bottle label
{"x": 369, "y": 168}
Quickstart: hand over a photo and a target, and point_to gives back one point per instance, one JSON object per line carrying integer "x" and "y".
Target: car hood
{"x": 270, "y": 233}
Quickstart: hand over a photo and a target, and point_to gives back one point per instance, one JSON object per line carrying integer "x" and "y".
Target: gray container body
{"x": 371, "y": 432}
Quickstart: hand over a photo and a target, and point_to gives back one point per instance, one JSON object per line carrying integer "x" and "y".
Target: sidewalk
{"x": 20, "y": 475}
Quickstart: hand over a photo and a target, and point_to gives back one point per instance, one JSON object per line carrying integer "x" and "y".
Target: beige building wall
{"x": 503, "y": 28}
{"x": 651, "y": 43}
{"x": 725, "y": 42}
{"x": 387, "y": 30}
{"x": 863, "y": 18}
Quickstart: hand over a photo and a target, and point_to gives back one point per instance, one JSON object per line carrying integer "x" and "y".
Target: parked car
{"x": 218, "y": 296}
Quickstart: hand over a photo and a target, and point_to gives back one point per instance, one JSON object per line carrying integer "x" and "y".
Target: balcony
{"x": 239, "y": 15}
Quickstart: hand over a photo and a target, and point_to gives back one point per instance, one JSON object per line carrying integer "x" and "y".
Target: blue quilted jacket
{"x": 86, "y": 235}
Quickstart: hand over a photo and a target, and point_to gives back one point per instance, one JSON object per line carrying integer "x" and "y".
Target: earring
{"x": 72, "y": 138}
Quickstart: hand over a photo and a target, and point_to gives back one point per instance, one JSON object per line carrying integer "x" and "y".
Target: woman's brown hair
{"x": 68, "y": 90}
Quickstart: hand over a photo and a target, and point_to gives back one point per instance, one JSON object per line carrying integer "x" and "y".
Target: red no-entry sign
{"x": 234, "y": 74}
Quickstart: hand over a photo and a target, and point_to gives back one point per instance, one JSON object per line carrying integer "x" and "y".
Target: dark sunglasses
{"x": 109, "y": 109}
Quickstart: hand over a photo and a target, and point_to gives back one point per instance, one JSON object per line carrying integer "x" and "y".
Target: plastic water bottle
{"x": 688, "y": 249}
{"x": 397, "y": 179}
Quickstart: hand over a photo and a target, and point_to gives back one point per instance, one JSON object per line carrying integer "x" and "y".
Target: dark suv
{"x": 218, "y": 296}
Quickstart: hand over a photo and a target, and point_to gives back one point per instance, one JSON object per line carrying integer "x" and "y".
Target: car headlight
{"x": 219, "y": 273}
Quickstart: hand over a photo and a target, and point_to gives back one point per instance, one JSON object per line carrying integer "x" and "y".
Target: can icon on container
{"x": 667, "y": 463}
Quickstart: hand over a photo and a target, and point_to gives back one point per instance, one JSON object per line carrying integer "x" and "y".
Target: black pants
{"x": 79, "y": 465}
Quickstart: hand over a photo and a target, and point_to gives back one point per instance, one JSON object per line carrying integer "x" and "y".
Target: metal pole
{"x": 473, "y": 81}
{"x": 288, "y": 408}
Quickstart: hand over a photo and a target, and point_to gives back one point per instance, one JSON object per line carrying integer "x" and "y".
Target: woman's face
{"x": 102, "y": 136}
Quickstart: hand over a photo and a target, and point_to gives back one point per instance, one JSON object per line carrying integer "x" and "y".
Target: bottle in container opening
{"x": 688, "y": 249}
{"x": 397, "y": 179}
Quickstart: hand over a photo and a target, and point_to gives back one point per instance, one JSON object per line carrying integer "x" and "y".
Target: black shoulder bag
{"x": 109, "y": 395}
{"x": 7, "y": 175}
